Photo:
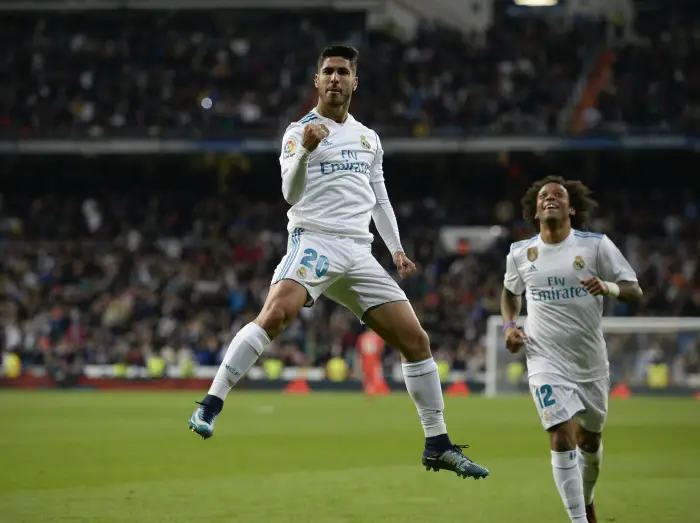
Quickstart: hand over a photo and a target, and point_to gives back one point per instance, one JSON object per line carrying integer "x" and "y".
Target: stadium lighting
{"x": 536, "y": 3}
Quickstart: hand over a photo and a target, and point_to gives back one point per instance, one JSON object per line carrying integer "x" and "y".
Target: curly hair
{"x": 578, "y": 200}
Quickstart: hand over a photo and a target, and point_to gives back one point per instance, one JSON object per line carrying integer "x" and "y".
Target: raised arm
{"x": 297, "y": 145}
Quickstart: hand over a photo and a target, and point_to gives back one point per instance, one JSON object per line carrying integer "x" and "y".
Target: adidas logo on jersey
{"x": 325, "y": 142}
{"x": 532, "y": 269}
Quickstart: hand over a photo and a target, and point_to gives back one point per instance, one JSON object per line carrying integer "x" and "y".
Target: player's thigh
{"x": 285, "y": 298}
{"x": 594, "y": 396}
{"x": 557, "y": 400}
{"x": 313, "y": 261}
{"x": 398, "y": 326}
{"x": 377, "y": 300}
{"x": 366, "y": 286}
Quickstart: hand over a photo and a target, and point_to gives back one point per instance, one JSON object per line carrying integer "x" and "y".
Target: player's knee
{"x": 275, "y": 317}
{"x": 416, "y": 346}
{"x": 282, "y": 305}
{"x": 588, "y": 441}
{"x": 561, "y": 438}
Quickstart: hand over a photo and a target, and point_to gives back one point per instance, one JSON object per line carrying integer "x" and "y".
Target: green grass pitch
{"x": 98, "y": 457}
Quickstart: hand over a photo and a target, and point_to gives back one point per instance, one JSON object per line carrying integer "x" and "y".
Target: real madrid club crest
{"x": 532, "y": 254}
{"x": 365, "y": 143}
{"x": 301, "y": 273}
{"x": 579, "y": 263}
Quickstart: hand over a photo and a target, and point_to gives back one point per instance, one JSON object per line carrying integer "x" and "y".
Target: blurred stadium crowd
{"x": 147, "y": 265}
{"x": 219, "y": 74}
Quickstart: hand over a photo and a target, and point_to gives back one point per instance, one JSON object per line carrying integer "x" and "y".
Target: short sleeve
{"x": 512, "y": 280}
{"x": 612, "y": 265}
{"x": 377, "y": 170}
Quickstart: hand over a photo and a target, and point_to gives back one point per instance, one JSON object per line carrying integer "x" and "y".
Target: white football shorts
{"x": 559, "y": 399}
{"x": 340, "y": 268}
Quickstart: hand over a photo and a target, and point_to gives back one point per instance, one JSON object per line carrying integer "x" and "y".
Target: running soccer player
{"x": 332, "y": 176}
{"x": 565, "y": 273}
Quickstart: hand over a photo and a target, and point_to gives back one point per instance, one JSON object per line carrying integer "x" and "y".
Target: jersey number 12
{"x": 544, "y": 396}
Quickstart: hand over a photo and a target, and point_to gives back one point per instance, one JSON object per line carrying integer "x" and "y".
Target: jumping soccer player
{"x": 565, "y": 272}
{"x": 333, "y": 178}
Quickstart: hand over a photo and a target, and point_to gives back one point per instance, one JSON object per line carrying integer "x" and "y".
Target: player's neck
{"x": 555, "y": 233}
{"x": 338, "y": 113}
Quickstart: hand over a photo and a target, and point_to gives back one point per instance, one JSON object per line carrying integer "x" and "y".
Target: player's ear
{"x": 354, "y": 83}
{"x": 316, "y": 80}
{"x": 572, "y": 211}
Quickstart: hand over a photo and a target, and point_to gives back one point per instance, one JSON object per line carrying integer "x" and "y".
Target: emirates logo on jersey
{"x": 532, "y": 254}
{"x": 579, "y": 263}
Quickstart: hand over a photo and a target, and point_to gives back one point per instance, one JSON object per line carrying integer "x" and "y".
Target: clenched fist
{"x": 515, "y": 339}
{"x": 314, "y": 134}
{"x": 405, "y": 266}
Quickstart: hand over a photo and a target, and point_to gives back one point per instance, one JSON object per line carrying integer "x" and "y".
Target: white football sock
{"x": 245, "y": 349}
{"x": 423, "y": 384}
{"x": 567, "y": 477}
{"x": 589, "y": 463}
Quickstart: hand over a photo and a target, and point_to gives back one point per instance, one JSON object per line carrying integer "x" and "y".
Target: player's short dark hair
{"x": 340, "y": 50}
{"x": 578, "y": 200}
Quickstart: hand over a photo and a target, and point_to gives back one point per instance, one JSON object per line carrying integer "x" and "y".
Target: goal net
{"x": 655, "y": 352}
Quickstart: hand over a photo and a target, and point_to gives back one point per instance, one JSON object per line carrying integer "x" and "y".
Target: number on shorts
{"x": 544, "y": 396}
{"x": 321, "y": 266}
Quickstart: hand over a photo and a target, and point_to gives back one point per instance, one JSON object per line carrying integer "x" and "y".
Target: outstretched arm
{"x": 383, "y": 213}
{"x": 385, "y": 218}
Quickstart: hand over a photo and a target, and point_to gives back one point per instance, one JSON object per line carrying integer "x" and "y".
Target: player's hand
{"x": 405, "y": 266}
{"x": 314, "y": 133}
{"x": 515, "y": 339}
{"x": 595, "y": 286}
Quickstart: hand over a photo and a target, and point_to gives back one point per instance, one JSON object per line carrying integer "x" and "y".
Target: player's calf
{"x": 590, "y": 457}
{"x": 283, "y": 303}
{"x": 565, "y": 470}
{"x": 398, "y": 325}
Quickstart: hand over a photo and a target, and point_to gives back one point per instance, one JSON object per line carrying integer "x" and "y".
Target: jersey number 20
{"x": 321, "y": 265}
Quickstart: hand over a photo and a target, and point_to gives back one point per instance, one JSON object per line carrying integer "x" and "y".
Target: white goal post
{"x": 498, "y": 359}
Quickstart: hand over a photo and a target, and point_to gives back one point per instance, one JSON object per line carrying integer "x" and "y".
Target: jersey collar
{"x": 325, "y": 120}
{"x": 563, "y": 243}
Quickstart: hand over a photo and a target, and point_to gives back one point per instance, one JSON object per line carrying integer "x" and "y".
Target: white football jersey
{"x": 563, "y": 323}
{"x": 338, "y": 198}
